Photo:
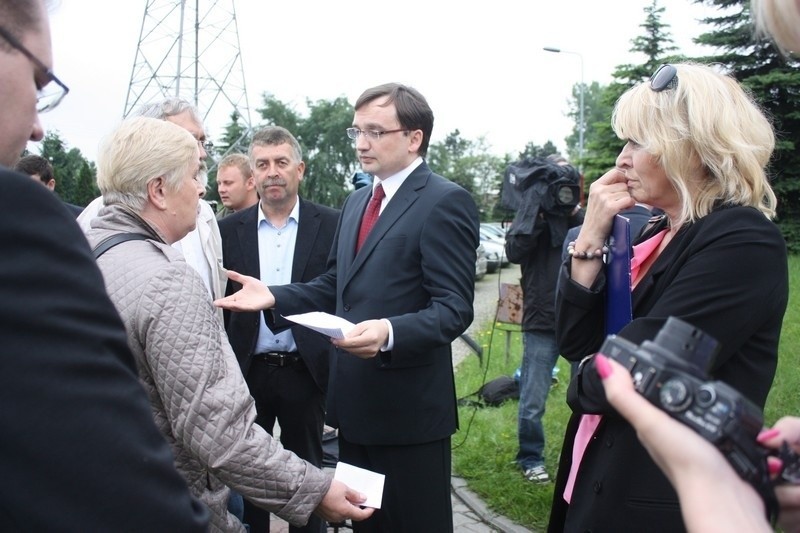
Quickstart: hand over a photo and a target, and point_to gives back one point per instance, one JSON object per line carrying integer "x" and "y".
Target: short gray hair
{"x": 140, "y": 150}
{"x": 169, "y": 108}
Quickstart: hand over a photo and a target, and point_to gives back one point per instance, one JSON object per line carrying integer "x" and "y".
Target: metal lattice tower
{"x": 190, "y": 49}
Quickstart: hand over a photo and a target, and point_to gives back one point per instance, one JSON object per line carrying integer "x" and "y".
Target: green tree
{"x": 775, "y": 82}
{"x": 534, "y": 150}
{"x": 236, "y": 137}
{"x": 601, "y": 143}
{"x": 471, "y": 165}
{"x": 85, "y": 189}
{"x": 67, "y": 166}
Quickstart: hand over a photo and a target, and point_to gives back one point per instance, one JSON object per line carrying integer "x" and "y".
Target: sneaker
{"x": 536, "y": 474}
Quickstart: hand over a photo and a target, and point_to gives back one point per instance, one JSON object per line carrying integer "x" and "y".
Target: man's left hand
{"x": 366, "y": 339}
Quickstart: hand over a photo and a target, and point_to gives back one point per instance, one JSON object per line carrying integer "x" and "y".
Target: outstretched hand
{"x": 341, "y": 502}
{"x": 712, "y": 495}
{"x": 253, "y": 296}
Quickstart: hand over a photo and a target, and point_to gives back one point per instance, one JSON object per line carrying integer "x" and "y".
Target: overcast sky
{"x": 480, "y": 64}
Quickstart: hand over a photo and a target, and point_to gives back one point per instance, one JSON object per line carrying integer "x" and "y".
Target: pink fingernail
{"x": 774, "y": 465}
{"x": 602, "y": 366}
{"x": 767, "y": 434}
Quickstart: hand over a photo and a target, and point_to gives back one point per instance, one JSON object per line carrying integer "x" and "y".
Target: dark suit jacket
{"x": 417, "y": 269}
{"x": 315, "y": 233}
{"x": 725, "y": 274}
{"x": 80, "y": 450}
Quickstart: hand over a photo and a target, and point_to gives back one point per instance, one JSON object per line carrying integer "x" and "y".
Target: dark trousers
{"x": 290, "y": 396}
{"x": 416, "y": 492}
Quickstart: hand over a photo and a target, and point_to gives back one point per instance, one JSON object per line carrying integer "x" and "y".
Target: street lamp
{"x": 581, "y": 125}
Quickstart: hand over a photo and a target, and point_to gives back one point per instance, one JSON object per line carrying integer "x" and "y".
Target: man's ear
{"x": 51, "y": 184}
{"x": 156, "y": 192}
{"x": 415, "y": 141}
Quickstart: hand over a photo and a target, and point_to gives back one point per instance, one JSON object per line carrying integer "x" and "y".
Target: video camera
{"x": 538, "y": 183}
{"x": 671, "y": 372}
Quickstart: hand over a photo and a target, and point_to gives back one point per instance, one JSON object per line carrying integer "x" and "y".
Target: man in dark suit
{"x": 408, "y": 285}
{"x": 80, "y": 450}
{"x": 281, "y": 239}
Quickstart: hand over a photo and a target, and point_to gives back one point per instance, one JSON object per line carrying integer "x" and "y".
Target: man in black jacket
{"x": 80, "y": 450}
{"x": 281, "y": 239}
{"x": 538, "y": 251}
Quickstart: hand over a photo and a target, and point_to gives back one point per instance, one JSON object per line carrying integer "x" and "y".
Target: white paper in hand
{"x": 364, "y": 481}
{"x": 325, "y": 323}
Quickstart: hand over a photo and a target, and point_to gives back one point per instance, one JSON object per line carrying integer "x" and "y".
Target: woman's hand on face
{"x": 607, "y": 197}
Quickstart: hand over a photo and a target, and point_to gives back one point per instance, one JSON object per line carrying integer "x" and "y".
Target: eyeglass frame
{"x": 665, "y": 81}
{"x": 206, "y": 145}
{"x": 51, "y": 77}
{"x": 355, "y": 133}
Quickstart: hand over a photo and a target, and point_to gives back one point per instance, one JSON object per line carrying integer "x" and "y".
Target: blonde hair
{"x": 138, "y": 151}
{"x": 240, "y": 161}
{"x": 779, "y": 19}
{"x": 708, "y": 134}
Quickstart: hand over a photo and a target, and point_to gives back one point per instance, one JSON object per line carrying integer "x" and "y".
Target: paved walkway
{"x": 470, "y": 513}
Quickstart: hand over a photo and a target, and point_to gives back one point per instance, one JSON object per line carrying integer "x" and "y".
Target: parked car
{"x": 495, "y": 244}
{"x": 495, "y": 254}
{"x": 480, "y": 263}
{"x": 495, "y": 229}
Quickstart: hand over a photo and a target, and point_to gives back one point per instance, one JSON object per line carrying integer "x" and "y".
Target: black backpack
{"x": 494, "y": 393}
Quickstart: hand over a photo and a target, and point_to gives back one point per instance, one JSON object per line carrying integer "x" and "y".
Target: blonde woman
{"x": 696, "y": 147}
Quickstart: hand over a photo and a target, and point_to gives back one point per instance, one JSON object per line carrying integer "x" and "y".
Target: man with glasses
{"x": 402, "y": 270}
{"x": 80, "y": 450}
{"x": 202, "y": 247}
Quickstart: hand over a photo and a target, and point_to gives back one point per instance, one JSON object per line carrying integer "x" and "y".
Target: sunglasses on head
{"x": 666, "y": 77}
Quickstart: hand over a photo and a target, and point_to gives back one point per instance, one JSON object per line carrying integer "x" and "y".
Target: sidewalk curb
{"x": 500, "y": 523}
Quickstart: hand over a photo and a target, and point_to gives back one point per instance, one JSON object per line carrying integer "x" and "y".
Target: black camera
{"x": 541, "y": 183}
{"x": 671, "y": 372}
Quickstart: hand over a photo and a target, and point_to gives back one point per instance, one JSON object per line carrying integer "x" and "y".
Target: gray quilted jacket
{"x": 199, "y": 398}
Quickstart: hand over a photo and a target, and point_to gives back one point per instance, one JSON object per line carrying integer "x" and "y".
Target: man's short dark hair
{"x": 413, "y": 111}
{"x": 36, "y": 164}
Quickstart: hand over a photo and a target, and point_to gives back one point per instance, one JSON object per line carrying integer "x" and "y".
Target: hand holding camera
{"x": 670, "y": 372}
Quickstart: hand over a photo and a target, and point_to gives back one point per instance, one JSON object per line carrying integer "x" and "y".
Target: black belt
{"x": 292, "y": 359}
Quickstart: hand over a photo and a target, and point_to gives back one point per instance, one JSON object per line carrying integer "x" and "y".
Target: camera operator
{"x": 534, "y": 241}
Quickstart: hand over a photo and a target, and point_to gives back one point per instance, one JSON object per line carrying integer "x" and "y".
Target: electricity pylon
{"x": 190, "y": 49}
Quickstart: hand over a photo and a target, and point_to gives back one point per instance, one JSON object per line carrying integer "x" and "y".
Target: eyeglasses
{"x": 50, "y": 94}
{"x": 353, "y": 133}
{"x": 206, "y": 145}
{"x": 666, "y": 77}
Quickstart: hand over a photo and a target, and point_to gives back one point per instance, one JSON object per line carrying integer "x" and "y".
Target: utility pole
{"x": 190, "y": 49}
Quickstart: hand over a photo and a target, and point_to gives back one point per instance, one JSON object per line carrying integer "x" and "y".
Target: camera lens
{"x": 674, "y": 395}
{"x": 706, "y": 396}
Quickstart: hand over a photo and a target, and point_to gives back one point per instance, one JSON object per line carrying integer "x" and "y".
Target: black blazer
{"x": 725, "y": 274}
{"x": 417, "y": 269}
{"x": 80, "y": 450}
{"x": 315, "y": 233}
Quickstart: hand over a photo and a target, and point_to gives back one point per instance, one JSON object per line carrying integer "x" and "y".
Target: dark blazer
{"x": 725, "y": 274}
{"x": 417, "y": 269}
{"x": 80, "y": 450}
{"x": 315, "y": 233}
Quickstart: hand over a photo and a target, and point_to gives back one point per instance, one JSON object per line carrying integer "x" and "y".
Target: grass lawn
{"x": 485, "y": 446}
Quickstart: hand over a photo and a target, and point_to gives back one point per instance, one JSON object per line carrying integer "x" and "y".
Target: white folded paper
{"x": 325, "y": 323}
{"x": 364, "y": 481}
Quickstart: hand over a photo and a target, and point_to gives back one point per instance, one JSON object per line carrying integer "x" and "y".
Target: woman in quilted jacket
{"x": 147, "y": 172}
